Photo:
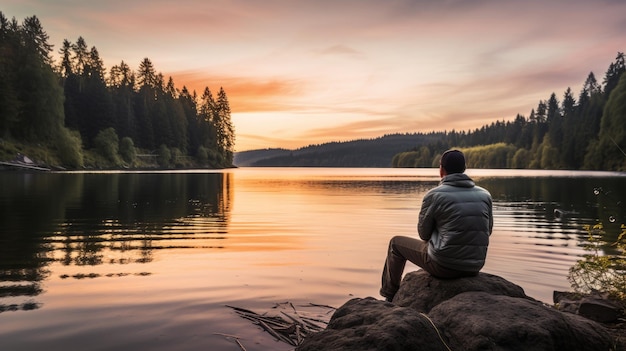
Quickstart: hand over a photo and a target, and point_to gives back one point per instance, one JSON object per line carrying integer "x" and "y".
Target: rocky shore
{"x": 485, "y": 312}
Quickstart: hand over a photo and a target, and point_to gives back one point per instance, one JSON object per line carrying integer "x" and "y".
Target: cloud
{"x": 340, "y": 50}
{"x": 246, "y": 94}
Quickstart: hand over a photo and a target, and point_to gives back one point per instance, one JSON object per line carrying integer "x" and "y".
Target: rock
{"x": 484, "y": 321}
{"x": 421, "y": 291}
{"x": 594, "y": 306}
{"x": 485, "y": 312}
{"x": 370, "y": 324}
{"x": 599, "y": 310}
{"x": 566, "y": 301}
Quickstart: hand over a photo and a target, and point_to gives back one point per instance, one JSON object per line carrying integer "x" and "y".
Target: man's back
{"x": 456, "y": 218}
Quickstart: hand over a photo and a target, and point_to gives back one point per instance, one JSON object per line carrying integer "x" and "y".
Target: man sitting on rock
{"x": 455, "y": 222}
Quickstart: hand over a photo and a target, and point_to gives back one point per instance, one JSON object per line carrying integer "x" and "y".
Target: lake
{"x": 151, "y": 260}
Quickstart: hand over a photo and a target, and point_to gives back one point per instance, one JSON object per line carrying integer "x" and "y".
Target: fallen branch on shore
{"x": 233, "y": 337}
{"x": 288, "y": 324}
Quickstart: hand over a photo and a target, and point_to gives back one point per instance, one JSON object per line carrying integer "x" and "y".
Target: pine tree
{"x": 41, "y": 112}
{"x": 98, "y": 102}
{"x": 613, "y": 74}
{"x": 611, "y": 145}
{"x": 121, "y": 84}
{"x": 570, "y": 123}
{"x": 80, "y": 55}
{"x": 66, "y": 68}
{"x": 176, "y": 115}
{"x": 224, "y": 126}
{"x": 555, "y": 125}
{"x": 36, "y": 39}
{"x": 9, "y": 101}
{"x": 146, "y": 75}
{"x": 206, "y": 118}
{"x": 190, "y": 110}
{"x": 144, "y": 104}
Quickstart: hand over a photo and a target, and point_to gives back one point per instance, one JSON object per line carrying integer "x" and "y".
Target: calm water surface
{"x": 127, "y": 261}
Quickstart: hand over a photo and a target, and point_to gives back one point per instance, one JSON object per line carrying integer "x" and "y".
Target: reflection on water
{"x": 539, "y": 231}
{"x": 81, "y": 220}
{"x": 560, "y": 205}
{"x": 163, "y": 252}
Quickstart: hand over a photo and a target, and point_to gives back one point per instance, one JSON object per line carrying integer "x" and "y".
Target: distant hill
{"x": 376, "y": 152}
{"x": 249, "y": 158}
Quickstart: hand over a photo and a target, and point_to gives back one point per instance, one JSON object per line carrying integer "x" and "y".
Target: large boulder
{"x": 484, "y": 321}
{"x": 421, "y": 291}
{"x": 370, "y": 324}
{"x": 485, "y": 312}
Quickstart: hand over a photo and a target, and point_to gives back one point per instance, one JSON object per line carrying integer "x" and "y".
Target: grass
{"x": 46, "y": 155}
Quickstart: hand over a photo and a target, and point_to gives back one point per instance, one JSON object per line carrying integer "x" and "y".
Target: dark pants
{"x": 403, "y": 248}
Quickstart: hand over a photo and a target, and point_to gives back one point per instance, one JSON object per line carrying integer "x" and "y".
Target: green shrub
{"x": 176, "y": 157}
{"x": 128, "y": 151}
{"x": 164, "y": 157}
{"x": 107, "y": 145}
{"x": 600, "y": 272}
{"x": 202, "y": 156}
{"x": 69, "y": 148}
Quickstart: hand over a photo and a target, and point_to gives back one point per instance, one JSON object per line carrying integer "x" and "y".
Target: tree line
{"x": 583, "y": 132}
{"x": 75, "y": 105}
{"x": 376, "y": 152}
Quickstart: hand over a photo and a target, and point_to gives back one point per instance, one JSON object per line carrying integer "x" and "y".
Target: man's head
{"x": 453, "y": 161}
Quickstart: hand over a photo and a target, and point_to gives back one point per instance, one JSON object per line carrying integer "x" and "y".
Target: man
{"x": 455, "y": 222}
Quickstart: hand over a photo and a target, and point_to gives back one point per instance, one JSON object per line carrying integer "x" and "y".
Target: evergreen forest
{"x": 74, "y": 114}
{"x": 587, "y": 131}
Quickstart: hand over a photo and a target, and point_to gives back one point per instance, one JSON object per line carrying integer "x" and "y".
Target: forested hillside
{"x": 75, "y": 114}
{"x": 583, "y": 131}
{"x": 376, "y": 152}
{"x": 587, "y": 131}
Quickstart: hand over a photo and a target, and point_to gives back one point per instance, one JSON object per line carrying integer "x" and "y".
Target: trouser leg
{"x": 401, "y": 249}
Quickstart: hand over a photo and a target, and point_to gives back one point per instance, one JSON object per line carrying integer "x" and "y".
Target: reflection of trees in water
{"x": 101, "y": 219}
{"x": 134, "y": 214}
{"x": 97, "y": 275}
{"x": 25, "y": 282}
{"x": 567, "y": 204}
{"x": 23, "y": 255}
{"x": 25, "y": 306}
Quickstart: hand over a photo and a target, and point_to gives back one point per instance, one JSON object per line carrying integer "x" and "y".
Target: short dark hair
{"x": 453, "y": 161}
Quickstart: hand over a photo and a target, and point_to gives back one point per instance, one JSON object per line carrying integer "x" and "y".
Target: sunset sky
{"x": 308, "y": 72}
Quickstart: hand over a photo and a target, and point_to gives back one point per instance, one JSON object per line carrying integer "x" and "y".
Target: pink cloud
{"x": 246, "y": 94}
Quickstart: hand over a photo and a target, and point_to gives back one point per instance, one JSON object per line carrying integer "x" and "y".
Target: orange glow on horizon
{"x": 244, "y": 94}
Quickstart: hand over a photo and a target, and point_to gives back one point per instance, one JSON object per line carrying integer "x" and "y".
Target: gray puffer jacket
{"x": 457, "y": 219}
